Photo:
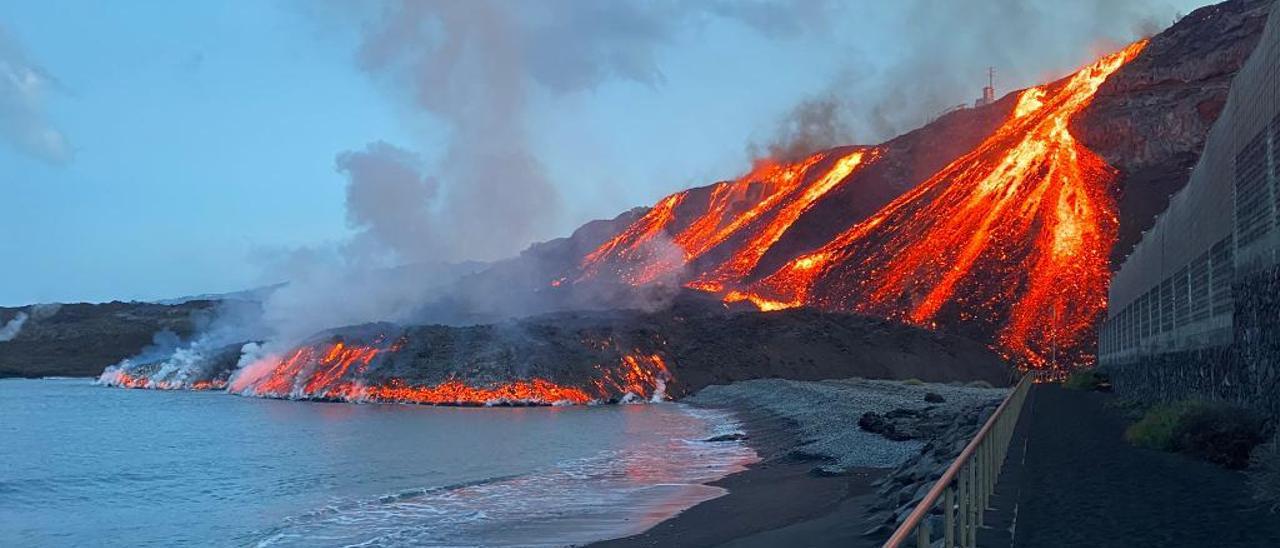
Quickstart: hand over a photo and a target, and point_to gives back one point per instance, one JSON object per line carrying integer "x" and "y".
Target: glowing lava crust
{"x": 340, "y": 371}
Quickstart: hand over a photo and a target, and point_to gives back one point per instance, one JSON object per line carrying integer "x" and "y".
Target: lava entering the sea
{"x": 1008, "y": 243}
{"x": 120, "y": 378}
{"x": 339, "y": 371}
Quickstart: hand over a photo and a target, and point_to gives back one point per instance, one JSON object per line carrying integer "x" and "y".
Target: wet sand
{"x": 779, "y": 504}
{"x": 778, "y": 501}
{"x": 812, "y": 486}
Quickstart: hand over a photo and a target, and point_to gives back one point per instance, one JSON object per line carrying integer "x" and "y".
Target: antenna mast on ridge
{"x": 988, "y": 92}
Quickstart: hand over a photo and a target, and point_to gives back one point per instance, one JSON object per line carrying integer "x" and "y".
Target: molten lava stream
{"x": 326, "y": 372}
{"x": 123, "y": 379}
{"x": 1013, "y": 235}
{"x": 748, "y": 256}
{"x": 646, "y": 250}
{"x": 637, "y": 247}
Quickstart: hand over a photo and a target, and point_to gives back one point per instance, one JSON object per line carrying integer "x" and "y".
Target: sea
{"x": 86, "y": 465}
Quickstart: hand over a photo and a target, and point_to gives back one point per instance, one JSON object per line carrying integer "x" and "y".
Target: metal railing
{"x": 966, "y": 487}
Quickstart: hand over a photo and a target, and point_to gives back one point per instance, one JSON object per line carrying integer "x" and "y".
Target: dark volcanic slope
{"x": 702, "y": 346}
{"x": 601, "y": 356}
{"x": 81, "y": 339}
{"x": 1151, "y": 117}
{"x": 715, "y": 346}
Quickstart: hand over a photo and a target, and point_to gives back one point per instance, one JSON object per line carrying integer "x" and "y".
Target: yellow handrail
{"x": 973, "y": 474}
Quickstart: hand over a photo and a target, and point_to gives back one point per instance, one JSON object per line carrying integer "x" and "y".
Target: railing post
{"x": 971, "y": 538}
{"x": 923, "y": 534}
{"x": 991, "y": 473}
{"x": 969, "y": 482}
{"x": 980, "y": 466}
{"x": 964, "y": 504}
{"x": 949, "y": 517}
{"x": 986, "y": 478}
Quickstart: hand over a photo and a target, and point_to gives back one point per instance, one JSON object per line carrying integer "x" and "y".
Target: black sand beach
{"x": 778, "y": 501}
{"x": 814, "y": 484}
{"x": 780, "y": 504}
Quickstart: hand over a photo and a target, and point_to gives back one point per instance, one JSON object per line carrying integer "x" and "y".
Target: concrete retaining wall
{"x": 1246, "y": 372}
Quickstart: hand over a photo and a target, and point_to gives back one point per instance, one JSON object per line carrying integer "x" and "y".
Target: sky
{"x": 155, "y": 149}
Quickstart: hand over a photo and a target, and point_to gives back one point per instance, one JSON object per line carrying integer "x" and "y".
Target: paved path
{"x": 1081, "y": 484}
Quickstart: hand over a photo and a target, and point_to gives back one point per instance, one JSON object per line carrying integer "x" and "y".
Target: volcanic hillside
{"x": 581, "y": 357}
{"x": 994, "y": 224}
{"x": 997, "y": 222}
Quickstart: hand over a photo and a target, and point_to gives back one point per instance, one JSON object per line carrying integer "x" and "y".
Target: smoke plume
{"x": 813, "y": 124}
{"x": 36, "y": 312}
{"x": 390, "y": 202}
{"x": 23, "y": 122}
{"x": 474, "y": 66}
{"x": 13, "y": 327}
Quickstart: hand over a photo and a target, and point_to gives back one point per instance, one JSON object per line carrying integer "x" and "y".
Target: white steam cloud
{"x": 13, "y": 327}
{"x": 38, "y": 312}
{"x": 472, "y": 66}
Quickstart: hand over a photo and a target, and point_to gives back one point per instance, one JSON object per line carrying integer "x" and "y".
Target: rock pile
{"x": 901, "y": 490}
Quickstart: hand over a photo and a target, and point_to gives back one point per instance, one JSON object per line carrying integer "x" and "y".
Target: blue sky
{"x": 202, "y": 137}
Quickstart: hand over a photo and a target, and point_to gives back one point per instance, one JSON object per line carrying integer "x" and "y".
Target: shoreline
{"x": 775, "y": 501}
{"x": 818, "y": 479}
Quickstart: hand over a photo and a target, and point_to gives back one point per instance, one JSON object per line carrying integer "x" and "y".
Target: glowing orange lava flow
{"x": 1010, "y": 239}
{"x": 747, "y": 257}
{"x": 326, "y": 372}
{"x": 455, "y": 392}
{"x": 121, "y": 379}
{"x": 641, "y": 376}
{"x": 637, "y": 247}
{"x": 774, "y": 194}
{"x": 308, "y": 372}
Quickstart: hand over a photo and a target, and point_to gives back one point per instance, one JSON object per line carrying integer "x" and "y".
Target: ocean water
{"x": 85, "y": 465}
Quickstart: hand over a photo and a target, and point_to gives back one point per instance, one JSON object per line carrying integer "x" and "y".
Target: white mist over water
{"x": 92, "y": 466}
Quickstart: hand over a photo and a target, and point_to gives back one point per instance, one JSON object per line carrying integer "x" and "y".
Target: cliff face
{"x": 1150, "y": 119}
